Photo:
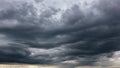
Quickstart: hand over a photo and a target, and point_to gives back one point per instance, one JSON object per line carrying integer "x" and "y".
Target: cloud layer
{"x": 75, "y": 33}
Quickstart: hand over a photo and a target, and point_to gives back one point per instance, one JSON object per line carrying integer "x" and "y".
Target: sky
{"x": 66, "y": 33}
{"x": 45, "y": 66}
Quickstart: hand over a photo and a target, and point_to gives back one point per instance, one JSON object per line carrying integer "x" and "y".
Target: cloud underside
{"x": 77, "y": 33}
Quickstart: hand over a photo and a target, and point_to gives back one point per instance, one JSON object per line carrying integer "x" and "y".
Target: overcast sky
{"x": 60, "y": 32}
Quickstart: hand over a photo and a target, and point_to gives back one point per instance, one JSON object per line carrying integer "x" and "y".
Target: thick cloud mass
{"x": 69, "y": 32}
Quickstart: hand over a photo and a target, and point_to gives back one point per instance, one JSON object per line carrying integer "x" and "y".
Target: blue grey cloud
{"x": 36, "y": 33}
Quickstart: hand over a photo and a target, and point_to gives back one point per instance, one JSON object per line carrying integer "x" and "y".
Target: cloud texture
{"x": 65, "y": 32}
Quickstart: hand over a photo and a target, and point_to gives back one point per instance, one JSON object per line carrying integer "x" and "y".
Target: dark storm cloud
{"x": 82, "y": 37}
{"x": 13, "y": 53}
{"x": 28, "y": 27}
{"x": 98, "y": 37}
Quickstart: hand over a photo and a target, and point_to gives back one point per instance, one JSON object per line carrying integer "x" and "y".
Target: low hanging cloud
{"x": 36, "y": 32}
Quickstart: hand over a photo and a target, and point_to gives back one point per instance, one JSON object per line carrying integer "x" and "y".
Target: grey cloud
{"x": 39, "y": 1}
{"x": 81, "y": 37}
{"x": 12, "y": 54}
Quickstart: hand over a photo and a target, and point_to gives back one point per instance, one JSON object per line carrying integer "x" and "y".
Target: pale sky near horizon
{"x": 45, "y": 66}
